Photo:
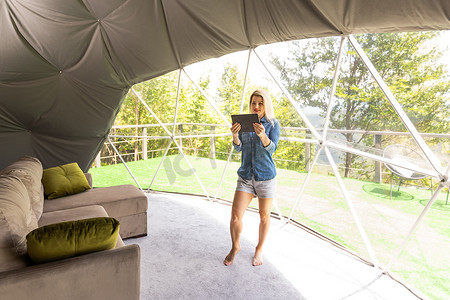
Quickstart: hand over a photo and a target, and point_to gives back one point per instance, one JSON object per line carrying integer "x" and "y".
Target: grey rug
{"x": 188, "y": 238}
{"x": 182, "y": 257}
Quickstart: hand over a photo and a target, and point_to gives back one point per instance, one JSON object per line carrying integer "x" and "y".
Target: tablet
{"x": 246, "y": 121}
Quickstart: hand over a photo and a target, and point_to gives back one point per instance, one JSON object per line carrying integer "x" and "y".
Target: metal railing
{"x": 141, "y": 138}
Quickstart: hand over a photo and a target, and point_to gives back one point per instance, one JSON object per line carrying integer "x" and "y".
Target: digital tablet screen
{"x": 246, "y": 121}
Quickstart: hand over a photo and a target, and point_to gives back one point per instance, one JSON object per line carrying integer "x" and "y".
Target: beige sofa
{"x": 125, "y": 203}
{"x": 107, "y": 274}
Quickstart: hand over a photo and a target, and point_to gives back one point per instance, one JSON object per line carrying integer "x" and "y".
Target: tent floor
{"x": 188, "y": 238}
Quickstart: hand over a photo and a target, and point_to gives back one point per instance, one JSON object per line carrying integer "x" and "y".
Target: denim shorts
{"x": 261, "y": 189}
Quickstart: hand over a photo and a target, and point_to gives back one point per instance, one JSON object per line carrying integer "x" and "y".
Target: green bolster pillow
{"x": 67, "y": 239}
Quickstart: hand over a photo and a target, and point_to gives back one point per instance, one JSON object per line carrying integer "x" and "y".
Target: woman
{"x": 257, "y": 172}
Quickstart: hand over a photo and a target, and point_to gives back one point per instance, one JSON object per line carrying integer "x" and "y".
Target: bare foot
{"x": 230, "y": 257}
{"x": 257, "y": 259}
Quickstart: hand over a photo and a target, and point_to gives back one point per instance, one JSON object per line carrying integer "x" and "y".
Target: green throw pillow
{"x": 67, "y": 239}
{"x": 64, "y": 180}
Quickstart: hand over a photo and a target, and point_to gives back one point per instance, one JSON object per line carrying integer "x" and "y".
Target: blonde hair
{"x": 268, "y": 105}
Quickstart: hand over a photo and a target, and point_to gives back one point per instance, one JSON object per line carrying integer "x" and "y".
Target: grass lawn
{"x": 425, "y": 263}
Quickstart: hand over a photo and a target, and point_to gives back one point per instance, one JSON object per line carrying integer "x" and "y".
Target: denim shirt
{"x": 256, "y": 159}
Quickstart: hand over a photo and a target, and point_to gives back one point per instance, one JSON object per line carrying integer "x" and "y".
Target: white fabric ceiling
{"x": 65, "y": 66}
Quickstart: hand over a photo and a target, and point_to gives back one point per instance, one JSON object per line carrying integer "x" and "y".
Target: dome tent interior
{"x": 66, "y": 66}
{"x": 61, "y": 87}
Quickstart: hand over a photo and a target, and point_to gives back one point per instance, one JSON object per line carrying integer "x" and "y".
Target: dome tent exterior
{"x": 61, "y": 86}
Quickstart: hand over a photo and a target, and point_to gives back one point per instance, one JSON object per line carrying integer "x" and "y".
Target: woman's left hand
{"x": 259, "y": 129}
{"x": 261, "y": 132}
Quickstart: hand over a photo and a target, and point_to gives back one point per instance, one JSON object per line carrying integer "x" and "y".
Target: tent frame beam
{"x": 230, "y": 154}
{"x": 172, "y": 139}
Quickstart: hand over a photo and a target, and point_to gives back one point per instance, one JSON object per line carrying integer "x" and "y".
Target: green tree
{"x": 230, "y": 91}
{"x": 229, "y": 102}
{"x": 160, "y": 95}
{"x": 410, "y": 71}
{"x": 195, "y": 109}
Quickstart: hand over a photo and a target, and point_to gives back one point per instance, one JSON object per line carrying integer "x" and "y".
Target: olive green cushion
{"x": 64, "y": 180}
{"x": 67, "y": 239}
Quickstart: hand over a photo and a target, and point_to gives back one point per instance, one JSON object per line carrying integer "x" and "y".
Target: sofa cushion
{"x": 16, "y": 216}
{"x": 120, "y": 200}
{"x": 72, "y": 238}
{"x": 64, "y": 180}
{"x": 9, "y": 259}
{"x": 29, "y": 170}
{"x": 77, "y": 213}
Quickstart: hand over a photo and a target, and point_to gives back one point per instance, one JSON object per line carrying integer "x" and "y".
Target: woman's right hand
{"x": 235, "y": 129}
